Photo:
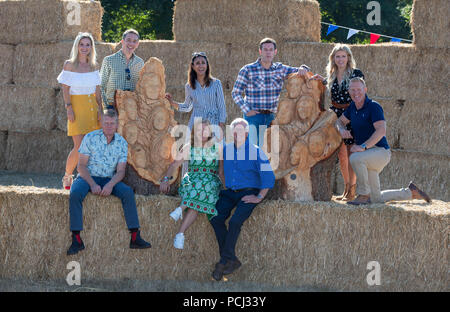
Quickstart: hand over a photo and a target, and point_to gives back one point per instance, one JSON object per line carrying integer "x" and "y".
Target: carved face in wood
{"x": 146, "y": 120}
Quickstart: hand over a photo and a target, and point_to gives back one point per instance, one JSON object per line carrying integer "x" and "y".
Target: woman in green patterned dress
{"x": 200, "y": 186}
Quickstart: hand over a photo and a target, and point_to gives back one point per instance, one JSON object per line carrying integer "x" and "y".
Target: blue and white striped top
{"x": 207, "y": 102}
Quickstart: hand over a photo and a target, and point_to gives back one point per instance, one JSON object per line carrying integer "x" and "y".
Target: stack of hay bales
{"x": 38, "y": 38}
{"x": 323, "y": 244}
{"x": 409, "y": 80}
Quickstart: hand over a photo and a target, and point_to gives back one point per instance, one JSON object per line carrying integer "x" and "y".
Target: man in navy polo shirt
{"x": 248, "y": 177}
{"x": 371, "y": 151}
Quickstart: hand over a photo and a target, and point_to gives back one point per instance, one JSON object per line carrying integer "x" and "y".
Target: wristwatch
{"x": 68, "y": 104}
{"x": 364, "y": 146}
{"x": 166, "y": 178}
{"x": 259, "y": 196}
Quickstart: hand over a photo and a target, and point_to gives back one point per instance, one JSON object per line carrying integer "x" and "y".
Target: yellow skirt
{"x": 85, "y": 110}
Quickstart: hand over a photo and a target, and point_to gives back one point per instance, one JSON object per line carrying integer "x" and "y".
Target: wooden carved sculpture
{"x": 303, "y": 134}
{"x": 145, "y": 121}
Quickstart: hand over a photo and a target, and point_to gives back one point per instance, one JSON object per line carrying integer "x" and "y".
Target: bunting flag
{"x": 331, "y": 28}
{"x": 352, "y": 32}
{"x": 374, "y": 38}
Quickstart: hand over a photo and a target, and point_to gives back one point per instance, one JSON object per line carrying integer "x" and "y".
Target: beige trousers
{"x": 367, "y": 166}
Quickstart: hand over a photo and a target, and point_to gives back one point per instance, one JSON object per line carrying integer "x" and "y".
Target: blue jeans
{"x": 80, "y": 188}
{"x": 227, "y": 238}
{"x": 256, "y": 136}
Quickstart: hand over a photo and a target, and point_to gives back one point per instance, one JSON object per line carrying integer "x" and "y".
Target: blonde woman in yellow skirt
{"x": 80, "y": 81}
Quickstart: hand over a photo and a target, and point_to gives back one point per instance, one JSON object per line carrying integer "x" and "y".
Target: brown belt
{"x": 341, "y": 106}
{"x": 266, "y": 112}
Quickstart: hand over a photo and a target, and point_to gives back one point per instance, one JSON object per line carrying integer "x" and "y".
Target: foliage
{"x": 151, "y": 18}
{"x": 395, "y": 17}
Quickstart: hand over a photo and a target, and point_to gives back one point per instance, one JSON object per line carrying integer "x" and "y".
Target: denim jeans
{"x": 227, "y": 238}
{"x": 256, "y": 136}
{"x": 80, "y": 188}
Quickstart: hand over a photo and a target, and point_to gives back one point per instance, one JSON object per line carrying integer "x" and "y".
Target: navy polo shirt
{"x": 362, "y": 121}
{"x": 246, "y": 166}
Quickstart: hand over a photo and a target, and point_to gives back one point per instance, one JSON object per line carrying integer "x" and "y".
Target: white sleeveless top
{"x": 80, "y": 83}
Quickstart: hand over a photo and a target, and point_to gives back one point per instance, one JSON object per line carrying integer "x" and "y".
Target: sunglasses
{"x": 195, "y": 54}
{"x": 127, "y": 70}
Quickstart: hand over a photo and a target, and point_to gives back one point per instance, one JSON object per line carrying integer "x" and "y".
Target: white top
{"x": 80, "y": 83}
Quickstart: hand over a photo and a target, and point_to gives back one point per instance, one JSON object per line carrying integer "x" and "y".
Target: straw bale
{"x": 326, "y": 245}
{"x": 3, "y": 138}
{"x": 430, "y": 172}
{"x": 402, "y": 72}
{"x": 45, "y": 62}
{"x": 6, "y": 63}
{"x": 430, "y": 22}
{"x": 44, "y": 21}
{"x": 44, "y": 151}
{"x": 425, "y": 127}
{"x": 176, "y": 57}
{"x": 26, "y": 108}
{"x": 234, "y": 21}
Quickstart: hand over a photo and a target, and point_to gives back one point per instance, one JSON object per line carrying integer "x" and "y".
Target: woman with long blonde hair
{"x": 80, "y": 83}
{"x": 200, "y": 187}
{"x": 340, "y": 69}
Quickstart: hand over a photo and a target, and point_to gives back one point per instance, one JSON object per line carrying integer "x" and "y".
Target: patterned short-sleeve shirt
{"x": 103, "y": 157}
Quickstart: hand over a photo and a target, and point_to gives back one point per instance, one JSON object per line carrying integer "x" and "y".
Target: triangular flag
{"x": 351, "y": 32}
{"x": 374, "y": 38}
{"x": 396, "y": 40}
{"x": 331, "y": 28}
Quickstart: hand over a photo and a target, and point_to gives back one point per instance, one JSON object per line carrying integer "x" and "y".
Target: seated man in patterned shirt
{"x": 262, "y": 82}
{"x": 248, "y": 177}
{"x": 120, "y": 71}
{"x": 101, "y": 167}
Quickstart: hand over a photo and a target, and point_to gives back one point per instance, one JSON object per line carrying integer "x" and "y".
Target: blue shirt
{"x": 103, "y": 157}
{"x": 246, "y": 166}
{"x": 362, "y": 121}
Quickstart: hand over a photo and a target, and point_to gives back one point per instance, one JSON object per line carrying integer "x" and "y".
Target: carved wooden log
{"x": 301, "y": 136}
{"x": 145, "y": 121}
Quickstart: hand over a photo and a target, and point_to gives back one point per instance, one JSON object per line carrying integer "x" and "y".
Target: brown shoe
{"x": 231, "y": 266}
{"x": 217, "y": 274}
{"x": 418, "y": 193}
{"x": 360, "y": 200}
{"x": 347, "y": 187}
{"x": 351, "y": 194}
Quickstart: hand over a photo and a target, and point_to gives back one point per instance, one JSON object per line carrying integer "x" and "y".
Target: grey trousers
{"x": 367, "y": 166}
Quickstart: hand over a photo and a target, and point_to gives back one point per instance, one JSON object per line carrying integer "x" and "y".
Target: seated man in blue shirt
{"x": 248, "y": 177}
{"x": 101, "y": 167}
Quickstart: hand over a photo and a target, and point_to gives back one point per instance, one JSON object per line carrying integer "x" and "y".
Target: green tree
{"x": 353, "y": 14}
{"x": 151, "y": 18}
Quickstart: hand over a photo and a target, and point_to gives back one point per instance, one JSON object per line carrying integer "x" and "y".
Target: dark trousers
{"x": 80, "y": 188}
{"x": 227, "y": 238}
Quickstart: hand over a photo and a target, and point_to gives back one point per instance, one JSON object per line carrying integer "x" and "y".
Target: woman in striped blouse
{"x": 203, "y": 93}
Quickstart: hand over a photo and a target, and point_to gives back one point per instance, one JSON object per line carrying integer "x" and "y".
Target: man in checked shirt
{"x": 262, "y": 82}
{"x": 120, "y": 71}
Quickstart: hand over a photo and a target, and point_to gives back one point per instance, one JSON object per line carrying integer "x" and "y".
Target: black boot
{"x": 138, "y": 242}
{"x": 77, "y": 245}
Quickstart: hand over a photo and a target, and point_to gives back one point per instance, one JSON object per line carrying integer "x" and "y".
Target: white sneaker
{"x": 178, "y": 242}
{"x": 177, "y": 214}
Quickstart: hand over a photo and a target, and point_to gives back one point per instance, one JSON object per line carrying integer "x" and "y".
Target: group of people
{"x": 219, "y": 177}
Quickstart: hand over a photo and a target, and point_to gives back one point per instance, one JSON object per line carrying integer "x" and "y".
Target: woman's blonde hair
{"x": 332, "y": 67}
{"x": 92, "y": 56}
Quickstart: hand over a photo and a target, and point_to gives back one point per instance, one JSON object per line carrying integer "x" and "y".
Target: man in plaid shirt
{"x": 262, "y": 82}
{"x": 120, "y": 71}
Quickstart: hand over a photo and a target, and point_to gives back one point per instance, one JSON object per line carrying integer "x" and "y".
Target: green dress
{"x": 200, "y": 186}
